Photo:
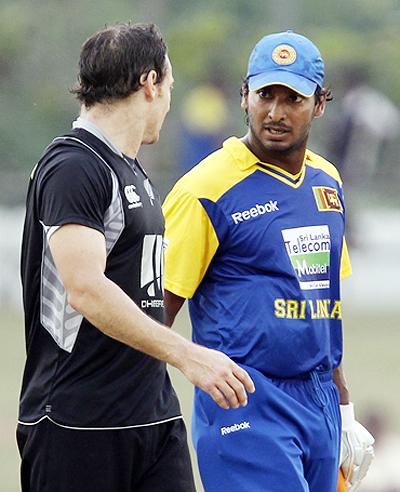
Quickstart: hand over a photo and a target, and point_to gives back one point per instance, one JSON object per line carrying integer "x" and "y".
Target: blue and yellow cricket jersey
{"x": 259, "y": 252}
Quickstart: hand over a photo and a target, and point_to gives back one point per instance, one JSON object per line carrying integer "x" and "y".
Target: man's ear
{"x": 149, "y": 81}
{"x": 244, "y": 102}
{"x": 320, "y": 106}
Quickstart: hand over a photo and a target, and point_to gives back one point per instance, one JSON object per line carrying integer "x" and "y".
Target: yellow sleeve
{"x": 345, "y": 265}
{"x": 191, "y": 242}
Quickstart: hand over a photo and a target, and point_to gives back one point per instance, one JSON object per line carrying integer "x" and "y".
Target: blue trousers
{"x": 287, "y": 439}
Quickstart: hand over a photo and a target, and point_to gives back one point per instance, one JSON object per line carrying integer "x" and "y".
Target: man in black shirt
{"x": 97, "y": 409}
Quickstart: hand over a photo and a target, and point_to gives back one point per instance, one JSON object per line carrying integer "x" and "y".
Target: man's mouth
{"x": 274, "y": 130}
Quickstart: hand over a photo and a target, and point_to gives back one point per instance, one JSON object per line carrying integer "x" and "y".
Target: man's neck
{"x": 119, "y": 123}
{"x": 291, "y": 160}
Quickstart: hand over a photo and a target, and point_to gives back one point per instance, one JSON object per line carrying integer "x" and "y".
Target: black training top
{"x": 75, "y": 374}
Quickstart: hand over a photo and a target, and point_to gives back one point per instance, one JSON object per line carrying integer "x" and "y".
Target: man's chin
{"x": 278, "y": 147}
{"x": 281, "y": 147}
{"x": 151, "y": 140}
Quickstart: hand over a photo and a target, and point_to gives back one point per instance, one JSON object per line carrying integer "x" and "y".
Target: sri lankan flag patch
{"x": 327, "y": 199}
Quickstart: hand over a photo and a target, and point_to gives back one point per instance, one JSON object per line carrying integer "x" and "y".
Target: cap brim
{"x": 295, "y": 82}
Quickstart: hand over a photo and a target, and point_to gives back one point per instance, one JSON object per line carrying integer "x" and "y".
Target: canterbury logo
{"x": 132, "y": 197}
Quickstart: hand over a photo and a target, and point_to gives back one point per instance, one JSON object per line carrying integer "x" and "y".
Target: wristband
{"x": 348, "y": 416}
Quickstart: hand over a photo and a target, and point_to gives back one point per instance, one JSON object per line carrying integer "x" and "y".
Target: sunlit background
{"x": 209, "y": 44}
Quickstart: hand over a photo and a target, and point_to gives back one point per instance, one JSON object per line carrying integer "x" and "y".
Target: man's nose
{"x": 276, "y": 111}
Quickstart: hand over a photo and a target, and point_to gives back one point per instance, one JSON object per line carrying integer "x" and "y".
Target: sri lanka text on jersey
{"x": 311, "y": 308}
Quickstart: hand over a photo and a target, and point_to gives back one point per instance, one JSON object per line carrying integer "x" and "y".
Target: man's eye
{"x": 264, "y": 94}
{"x": 296, "y": 98}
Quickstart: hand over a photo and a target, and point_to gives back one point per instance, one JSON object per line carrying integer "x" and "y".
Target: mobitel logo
{"x": 266, "y": 208}
{"x": 309, "y": 250}
{"x": 234, "y": 428}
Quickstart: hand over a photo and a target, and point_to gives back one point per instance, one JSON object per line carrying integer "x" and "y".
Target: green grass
{"x": 371, "y": 361}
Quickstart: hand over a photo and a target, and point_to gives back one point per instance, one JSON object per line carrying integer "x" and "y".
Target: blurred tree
{"x": 209, "y": 42}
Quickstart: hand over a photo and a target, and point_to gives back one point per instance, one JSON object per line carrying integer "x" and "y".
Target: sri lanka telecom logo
{"x": 309, "y": 251}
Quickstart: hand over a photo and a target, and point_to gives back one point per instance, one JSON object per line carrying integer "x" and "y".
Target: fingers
{"x": 225, "y": 395}
{"x": 235, "y": 396}
{"x": 233, "y": 389}
{"x": 236, "y": 392}
{"x": 216, "y": 374}
{"x": 218, "y": 397}
{"x": 244, "y": 378}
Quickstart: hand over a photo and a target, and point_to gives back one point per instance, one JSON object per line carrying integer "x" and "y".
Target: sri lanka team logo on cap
{"x": 284, "y": 54}
{"x": 327, "y": 199}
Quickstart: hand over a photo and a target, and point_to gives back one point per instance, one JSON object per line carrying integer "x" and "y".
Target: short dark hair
{"x": 112, "y": 61}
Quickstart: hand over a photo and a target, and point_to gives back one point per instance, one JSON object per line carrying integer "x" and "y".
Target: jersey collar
{"x": 245, "y": 159}
{"x": 242, "y": 155}
{"x": 97, "y": 132}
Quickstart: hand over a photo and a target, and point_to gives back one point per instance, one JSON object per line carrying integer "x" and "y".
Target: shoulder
{"x": 65, "y": 157}
{"x": 214, "y": 175}
{"x": 318, "y": 162}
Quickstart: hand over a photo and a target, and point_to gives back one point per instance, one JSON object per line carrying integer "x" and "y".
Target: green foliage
{"x": 208, "y": 41}
{"x": 14, "y": 22}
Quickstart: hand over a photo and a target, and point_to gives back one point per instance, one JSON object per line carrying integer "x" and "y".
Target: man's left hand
{"x": 357, "y": 452}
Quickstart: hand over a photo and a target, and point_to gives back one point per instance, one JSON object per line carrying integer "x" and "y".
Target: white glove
{"x": 356, "y": 451}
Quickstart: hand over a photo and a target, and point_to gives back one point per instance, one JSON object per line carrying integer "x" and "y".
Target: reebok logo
{"x": 271, "y": 206}
{"x": 235, "y": 428}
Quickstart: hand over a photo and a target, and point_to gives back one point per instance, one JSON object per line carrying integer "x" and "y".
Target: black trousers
{"x": 143, "y": 459}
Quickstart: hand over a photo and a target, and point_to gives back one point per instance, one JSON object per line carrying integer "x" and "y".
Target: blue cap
{"x": 288, "y": 59}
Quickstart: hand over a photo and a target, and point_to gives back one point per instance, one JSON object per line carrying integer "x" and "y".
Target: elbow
{"x": 76, "y": 300}
{"x": 82, "y": 292}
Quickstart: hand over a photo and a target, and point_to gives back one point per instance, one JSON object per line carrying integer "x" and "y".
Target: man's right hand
{"x": 79, "y": 253}
{"x": 216, "y": 374}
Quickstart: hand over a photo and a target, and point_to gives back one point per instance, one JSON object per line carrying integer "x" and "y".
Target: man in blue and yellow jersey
{"x": 256, "y": 243}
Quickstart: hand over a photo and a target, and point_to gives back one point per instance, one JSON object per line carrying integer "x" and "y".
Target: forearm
{"x": 341, "y": 383}
{"x": 173, "y": 304}
{"x": 108, "y": 308}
